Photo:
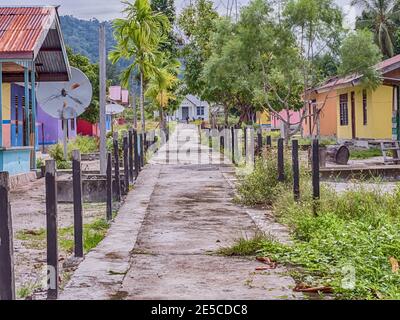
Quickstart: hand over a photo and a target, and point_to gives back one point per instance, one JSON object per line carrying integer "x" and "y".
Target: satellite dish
{"x": 65, "y": 100}
{"x": 114, "y": 109}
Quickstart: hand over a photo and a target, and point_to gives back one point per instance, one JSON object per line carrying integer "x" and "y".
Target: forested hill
{"x": 83, "y": 36}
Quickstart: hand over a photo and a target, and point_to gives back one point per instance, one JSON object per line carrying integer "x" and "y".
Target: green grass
{"x": 346, "y": 245}
{"x": 365, "y": 154}
{"x": 244, "y": 246}
{"x": 93, "y": 234}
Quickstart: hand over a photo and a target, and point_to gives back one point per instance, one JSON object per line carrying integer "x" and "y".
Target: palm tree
{"x": 380, "y": 16}
{"x": 162, "y": 85}
{"x": 138, "y": 38}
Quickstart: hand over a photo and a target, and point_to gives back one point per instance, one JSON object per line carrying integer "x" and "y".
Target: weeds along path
{"x": 164, "y": 241}
{"x": 190, "y": 216}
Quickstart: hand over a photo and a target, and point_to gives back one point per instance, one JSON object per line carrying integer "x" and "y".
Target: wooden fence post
{"x": 7, "y": 277}
{"x": 296, "y": 170}
{"x": 77, "y": 194}
{"x": 269, "y": 142}
{"x": 109, "y": 187}
{"x": 233, "y": 144}
{"x": 51, "y": 224}
{"x": 130, "y": 139}
{"x": 315, "y": 169}
{"x": 116, "y": 166}
{"x": 141, "y": 139}
{"x": 281, "y": 164}
{"x": 136, "y": 153}
{"x": 245, "y": 141}
{"x": 259, "y": 142}
{"x": 126, "y": 163}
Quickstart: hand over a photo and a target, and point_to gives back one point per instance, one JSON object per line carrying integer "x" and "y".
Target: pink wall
{"x": 294, "y": 117}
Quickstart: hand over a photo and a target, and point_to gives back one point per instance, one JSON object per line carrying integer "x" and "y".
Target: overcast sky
{"x": 109, "y": 9}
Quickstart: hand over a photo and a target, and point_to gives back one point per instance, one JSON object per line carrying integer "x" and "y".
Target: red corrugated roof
{"x": 21, "y": 28}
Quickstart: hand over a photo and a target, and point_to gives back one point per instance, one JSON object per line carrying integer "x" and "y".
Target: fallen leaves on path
{"x": 302, "y": 287}
{"x": 271, "y": 264}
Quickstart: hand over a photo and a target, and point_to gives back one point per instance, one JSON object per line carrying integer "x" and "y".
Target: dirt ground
{"x": 28, "y": 208}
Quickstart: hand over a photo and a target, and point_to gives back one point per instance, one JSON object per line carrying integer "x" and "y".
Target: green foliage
{"x": 261, "y": 186}
{"x": 197, "y": 21}
{"x": 365, "y": 154}
{"x": 381, "y": 18}
{"x": 359, "y": 55}
{"x": 357, "y": 231}
{"x": 83, "y": 143}
{"x": 244, "y": 246}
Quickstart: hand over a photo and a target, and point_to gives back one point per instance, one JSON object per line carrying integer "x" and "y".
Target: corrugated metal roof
{"x": 383, "y": 66}
{"x": 33, "y": 33}
{"x": 21, "y": 28}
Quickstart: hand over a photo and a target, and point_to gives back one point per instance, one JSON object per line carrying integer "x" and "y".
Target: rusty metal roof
{"x": 33, "y": 33}
{"x": 22, "y": 28}
{"x": 384, "y": 67}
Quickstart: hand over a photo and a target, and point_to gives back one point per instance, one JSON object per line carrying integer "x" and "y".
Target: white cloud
{"x": 110, "y": 9}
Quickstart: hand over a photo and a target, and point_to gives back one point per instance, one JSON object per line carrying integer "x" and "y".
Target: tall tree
{"x": 381, "y": 17}
{"x": 167, "y": 7}
{"x": 162, "y": 85}
{"x": 138, "y": 38}
{"x": 198, "y": 22}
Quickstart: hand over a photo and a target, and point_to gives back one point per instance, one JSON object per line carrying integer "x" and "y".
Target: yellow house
{"x": 367, "y": 114}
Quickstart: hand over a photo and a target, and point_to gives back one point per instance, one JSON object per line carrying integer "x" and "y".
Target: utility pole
{"x": 133, "y": 98}
{"x": 102, "y": 80}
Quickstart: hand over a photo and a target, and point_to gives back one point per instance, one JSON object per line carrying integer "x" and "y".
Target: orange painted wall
{"x": 328, "y": 118}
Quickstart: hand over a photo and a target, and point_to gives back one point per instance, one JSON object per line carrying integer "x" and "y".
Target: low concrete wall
{"x": 22, "y": 179}
{"x": 93, "y": 189}
{"x": 388, "y": 173}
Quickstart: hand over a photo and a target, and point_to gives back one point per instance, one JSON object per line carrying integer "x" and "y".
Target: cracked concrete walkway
{"x": 186, "y": 214}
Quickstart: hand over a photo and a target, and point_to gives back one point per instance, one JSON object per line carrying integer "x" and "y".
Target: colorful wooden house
{"x": 320, "y": 117}
{"x": 361, "y": 113}
{"x": 32, "y": 50}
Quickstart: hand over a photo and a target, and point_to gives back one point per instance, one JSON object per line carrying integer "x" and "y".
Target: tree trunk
{"x": 226, "y": 115}
{"x": 162, "y": 119}
{"x": 142, "y": 102}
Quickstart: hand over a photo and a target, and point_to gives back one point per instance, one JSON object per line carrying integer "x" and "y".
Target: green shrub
{"x": 261, "y": 186}
{"x": 359, "y": 229}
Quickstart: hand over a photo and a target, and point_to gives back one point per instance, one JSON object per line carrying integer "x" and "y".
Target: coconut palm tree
{"x": 380, "y": 16}
{"x": 138, "y": 38}
{"x": 162, "y": 85}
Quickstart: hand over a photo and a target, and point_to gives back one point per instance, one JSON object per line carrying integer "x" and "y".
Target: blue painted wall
{"x": 15, "y": 161}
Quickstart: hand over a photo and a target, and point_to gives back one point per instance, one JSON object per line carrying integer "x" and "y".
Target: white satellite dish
{"x": 114, "y": 108}
{"x": 65, "y": 100}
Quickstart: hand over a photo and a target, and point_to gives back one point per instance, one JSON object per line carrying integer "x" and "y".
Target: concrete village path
{"x": 162, "y": 242}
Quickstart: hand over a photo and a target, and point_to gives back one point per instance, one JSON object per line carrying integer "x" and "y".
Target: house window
{"x": 73, "y": 124}
{"x": 365, "y": 115}
{"x": 344, "y": 109}
{"x": 200, "y": 111}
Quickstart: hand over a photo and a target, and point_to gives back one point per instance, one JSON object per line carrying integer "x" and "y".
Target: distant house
{"x": 357, "y": 112}
{"x": 192, "y": 108}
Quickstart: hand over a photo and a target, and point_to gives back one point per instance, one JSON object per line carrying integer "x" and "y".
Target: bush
{"x": 358, "y": 230}
{"x": 347, "y": 241}
{"x": 261, "y": 186}
{"x": 82, "y": 143}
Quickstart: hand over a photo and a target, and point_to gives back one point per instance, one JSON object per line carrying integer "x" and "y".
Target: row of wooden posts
{"x": 135, "y": 146}
{"x": 315, "y": 161}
